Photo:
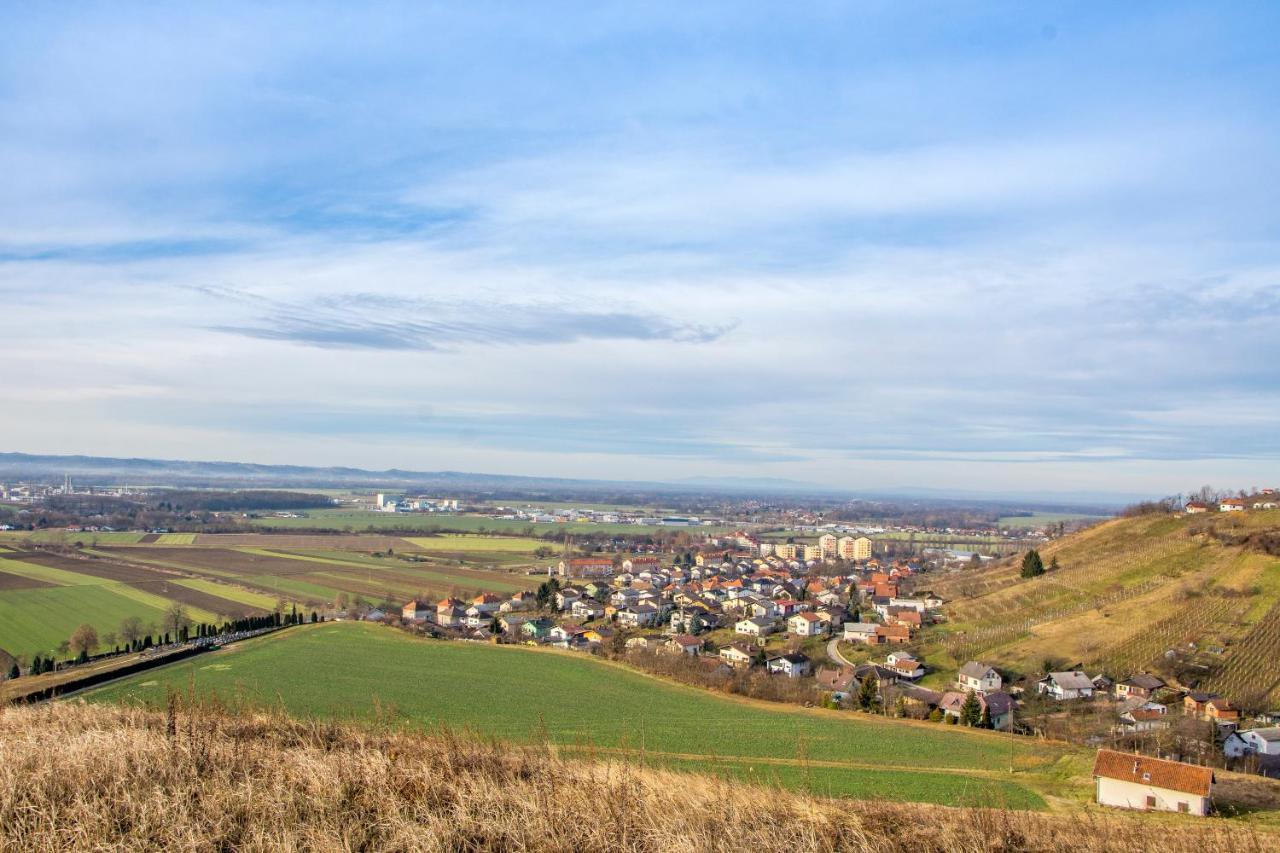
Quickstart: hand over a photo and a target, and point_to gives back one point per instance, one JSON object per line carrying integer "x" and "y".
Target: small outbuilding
{"x": 1131, "y": 781}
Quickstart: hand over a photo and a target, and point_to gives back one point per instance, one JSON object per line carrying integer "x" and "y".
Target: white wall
{"x": 1132, "y": 795}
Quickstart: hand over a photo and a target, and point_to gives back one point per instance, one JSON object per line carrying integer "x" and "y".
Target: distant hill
{"x": 1195, "y": 598}
{"x": 103, "y": 470}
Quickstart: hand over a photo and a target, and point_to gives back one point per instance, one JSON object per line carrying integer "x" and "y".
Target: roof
{"x": 1144, "y": 680}
{"x": 1070, "y": 680}
{"x": 1156, "y": 772}
{"x": 808, "y": 617}
{"x": 973, "y": 669}
{"x": 791, "y": 657}
{"x": 1271, "y": 735}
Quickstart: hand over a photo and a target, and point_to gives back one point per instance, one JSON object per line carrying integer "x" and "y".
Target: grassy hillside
{"x": 361, "y": 671}
{"x": 1129, "y": 591}
{"x": 79, "y": 777}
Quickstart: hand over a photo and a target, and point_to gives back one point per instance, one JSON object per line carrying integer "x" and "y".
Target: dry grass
{"x": 76, "y": 777}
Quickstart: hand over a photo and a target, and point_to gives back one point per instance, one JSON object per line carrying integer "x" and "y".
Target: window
{"x": 1146, "y": 777}
{"x": 1151, "y": 801}
{"x": 1184, "y": 807}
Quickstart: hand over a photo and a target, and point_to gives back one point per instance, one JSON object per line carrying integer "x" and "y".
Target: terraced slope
{"x": 1128, "y": 592}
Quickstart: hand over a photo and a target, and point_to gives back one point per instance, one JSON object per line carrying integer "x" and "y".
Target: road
{"x": 833, "y": 652}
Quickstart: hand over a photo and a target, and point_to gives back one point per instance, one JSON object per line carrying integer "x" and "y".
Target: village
{"x": 837, "y": 628}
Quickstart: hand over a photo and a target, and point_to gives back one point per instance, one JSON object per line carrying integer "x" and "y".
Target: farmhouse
{"x": 684, "y": 644}
{"x": 1140, "y": 686}
{"x": 1210, "y": 706}
{"x": 978, "y": 677}
{"x": 585, "y": 567}
{"x": 1151, "y": 784}
{"x": 792, "y": 665}
{"x": 808, "y": 625}
{"x": 416, "y": 611}
{"x": 861, "y": 632}
{"x": 1232, "y": 505}
{"x": 1066, "y": 685}
{"x": 737, "y": 655}
{"x": 755, "y": 627}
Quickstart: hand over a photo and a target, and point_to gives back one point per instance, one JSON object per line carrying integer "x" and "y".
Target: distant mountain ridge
{"x": 102, "y": 470}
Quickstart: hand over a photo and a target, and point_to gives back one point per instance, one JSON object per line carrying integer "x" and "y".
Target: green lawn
{"x": 353, "y": 670}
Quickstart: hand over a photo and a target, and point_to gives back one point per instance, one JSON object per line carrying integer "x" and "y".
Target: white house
{"x": 860, "y": 632}
{"x": 1151, "y": 784}
{"x": 640, "y": 616}
{"x": 755, "y": 627}
{"x": 1260, "y": 741}
{"x": 808, "y": 625}
{"x": 792, "y": 665}
{"x": 979, "y": 678}
{"x": 1066, "y": 685}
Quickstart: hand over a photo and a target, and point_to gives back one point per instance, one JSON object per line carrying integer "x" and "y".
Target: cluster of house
{"x": 1265, "y": 499}
{"x": 754, "y": 597}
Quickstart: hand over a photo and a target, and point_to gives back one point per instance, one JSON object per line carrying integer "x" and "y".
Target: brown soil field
{"x": 8, "y": 581}
{"x": 155, "y": 581}
{"x": 149, "y": 538}
{"x": 218, "y": 559}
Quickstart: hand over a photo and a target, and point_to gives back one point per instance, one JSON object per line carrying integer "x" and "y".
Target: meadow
{"x": 355, "y": 671}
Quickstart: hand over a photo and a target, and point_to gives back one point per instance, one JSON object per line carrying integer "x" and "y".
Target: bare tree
{"x": 130, "y": 629}
{"x": 84, "y": 640}
{"x": 175, "y": 618}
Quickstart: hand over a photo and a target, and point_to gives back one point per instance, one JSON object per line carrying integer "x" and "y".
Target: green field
{"x": 36, "y": 620}
{"x": 238, "y": 594}
{"x": 360, "y": 671}
{"x": 455, "y": 542}
{"x": 1038, "y": 519}
{"x": 70, "y": 537}
{"x": 358, "y": 520}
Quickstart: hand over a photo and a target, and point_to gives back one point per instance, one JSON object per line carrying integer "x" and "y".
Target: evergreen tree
{"x": 14, "y": 672}
{"x": 83, "y": 657}
{"x": 984, "y": 722}
{"x": 868, "y": 692}
{"x": 1053, "y": 564}
{"x": 971, "y": 710}
{"x": 313, "y": 616}
{"x": 1032, "y": 565}
{"x": 37, "y": 665}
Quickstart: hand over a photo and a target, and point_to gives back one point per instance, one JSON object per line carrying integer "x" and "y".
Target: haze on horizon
{"x": 987, "y": 246}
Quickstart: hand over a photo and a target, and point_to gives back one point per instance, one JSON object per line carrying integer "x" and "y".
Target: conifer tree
{"x": 14, "y": 671}
{"x": 1032, "y": 565}
{"x": 971, "y": 710}
{"x": 868, "y": 692}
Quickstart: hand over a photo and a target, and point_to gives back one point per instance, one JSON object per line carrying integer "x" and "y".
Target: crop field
{"x": 360, "y": 520}
{"x": 453, "y": 543}
{"x": 361, "y": 671}
{"x": 317, "y": 577}
{"x": 45, "y": 596}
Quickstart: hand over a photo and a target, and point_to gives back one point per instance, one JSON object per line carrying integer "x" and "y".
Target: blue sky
{"x": 1004, "y": 246}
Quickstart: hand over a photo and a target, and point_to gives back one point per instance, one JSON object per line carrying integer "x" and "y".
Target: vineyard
{"x": 1127, "y": 593}
{"x": 1253, "y": 663}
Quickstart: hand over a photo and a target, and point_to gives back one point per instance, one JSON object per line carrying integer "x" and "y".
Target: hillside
{"x": 81, "y": 777}
{"x": 581, "y": 704}
{"x": 1128, "y": 592}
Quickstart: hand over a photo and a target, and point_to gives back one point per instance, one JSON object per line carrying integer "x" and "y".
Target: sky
{"x": 1028, "y": 247}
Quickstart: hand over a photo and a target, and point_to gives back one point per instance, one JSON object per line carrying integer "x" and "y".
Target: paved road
{"x": 833, "y": 652}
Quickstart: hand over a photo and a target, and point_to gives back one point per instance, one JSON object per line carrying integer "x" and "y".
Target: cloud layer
{"x": 1026, "y": 248}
